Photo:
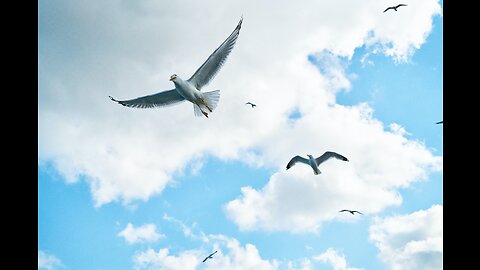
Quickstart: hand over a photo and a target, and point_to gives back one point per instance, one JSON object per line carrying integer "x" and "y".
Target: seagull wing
{"x": 164, "y": 98}
{"x": 212, "y": 65}
{"x": 387, "y": 9}
{"x": 441, "y": 122}
{"x": 358, "y": 212}
{"x": 209, "y": 256}
{"x": 296, "y": 159}
{"x": 344, "y": 210}
{"x": 328, "y": 155}
{"x": 400, "y": 5}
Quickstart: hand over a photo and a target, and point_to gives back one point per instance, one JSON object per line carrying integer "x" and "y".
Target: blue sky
{"x": 90, "y": 186}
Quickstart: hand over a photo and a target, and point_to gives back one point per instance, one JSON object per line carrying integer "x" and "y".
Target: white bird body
{"x": 187, "y": 90}
{"x": 202, "y": 101}
{"x": 313, "y": 163}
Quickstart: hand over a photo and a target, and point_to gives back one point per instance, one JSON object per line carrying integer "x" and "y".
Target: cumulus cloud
{"x": 129, "y": 49}
{"x": 144, "y": 233}
{"x": 230, "y": 255}
{"x": 380, "y": 162}
{"x": 48, "y": 261}
{"x": 412, "y": 241}
{"x": 334, "y": 259}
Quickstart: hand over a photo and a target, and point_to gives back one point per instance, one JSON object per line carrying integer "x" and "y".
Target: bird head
{"x": 310, "y": 156}
{"x": 173, "y": 77}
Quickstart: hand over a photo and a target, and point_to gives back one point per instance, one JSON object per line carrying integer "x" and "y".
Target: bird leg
{"x": 205, "y": 103}
{"x": 204, "y": 113}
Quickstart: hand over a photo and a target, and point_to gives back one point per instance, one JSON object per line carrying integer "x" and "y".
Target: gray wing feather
{"x": 296, "y": 159}
{"x": 212, "y": 65}
{"x": 164, "y": 98}
{"x": 328, "y": 155}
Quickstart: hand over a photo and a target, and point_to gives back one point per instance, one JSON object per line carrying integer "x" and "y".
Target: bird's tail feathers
{"x": 196, "y": 110}
{"x": 212, "y": 98}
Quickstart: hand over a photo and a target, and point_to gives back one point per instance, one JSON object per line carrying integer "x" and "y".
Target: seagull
{"x": 351, "y": 212}
{"x": 441, "y": 122}
{"x": 249, "y": 103}
{"x": 191, "y": 89}
{"x": 314, "y": 162}
{"x": 209, "y": 256}
{"x": 395, "y": 8}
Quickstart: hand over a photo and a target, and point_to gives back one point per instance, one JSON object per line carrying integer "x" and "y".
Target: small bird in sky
{"x": 209, "y": 256}
{"x": 395, "y": 7}
{"x": 351, "y": 211}
{"x": 249, "y": 103}
{"x": 314, "y": 162}
{"x": 441, "y": 122}
{"x": 191, "y": 89}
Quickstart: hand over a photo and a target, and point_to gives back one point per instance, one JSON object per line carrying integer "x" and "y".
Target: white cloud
{"x": 129, "y": 49}
{"x": 230, "y": 255}
{"x": 334, "y": 259}
{"x": 380, "y": 162}
{"x": 187, "y": 231}
{"x": 144, "y": 233}
{"x": 413, "y": 241}
{"x": 162, "y": 260}
{"x": 236, "y": 257}
{"x": 48, "y": 261}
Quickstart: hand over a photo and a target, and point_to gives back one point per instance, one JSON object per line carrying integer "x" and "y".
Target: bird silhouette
{"x": 395, "y": 7}
{"x": 351, "y": 211}
{"x": 314, "y": 162}
{"x": 441, "y": 122}
{"x": 209, "y": 256}
{"x": 249, "y": 103}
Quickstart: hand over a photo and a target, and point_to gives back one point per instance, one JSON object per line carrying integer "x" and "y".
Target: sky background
{"x": 123, "y": 188}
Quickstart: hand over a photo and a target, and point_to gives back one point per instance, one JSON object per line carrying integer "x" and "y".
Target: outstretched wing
{"x": 296, "y": 159}
{"x": 441, "y": 122}
{"x": 387, "y": 9}
{"x": 401, "y": 5}
{"x": 209, "y": 256}
{"x": 344, "y": 210}
{"x": 164, "y": 98}
{"x": 328, "y": 155}
{"x": 355, "y": 211}
{"x": 209, "y": 69}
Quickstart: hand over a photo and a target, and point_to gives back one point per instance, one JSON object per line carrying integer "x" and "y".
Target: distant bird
{"x": 314, "y": 162}
{"x": 209, "y": 256}
{"x": 351, "y": 211}
{"x": 395, "y": 8}
{"x": 441, "y": 122}
{"x": 249, "y": 103}
{"x": 190, "y": 89}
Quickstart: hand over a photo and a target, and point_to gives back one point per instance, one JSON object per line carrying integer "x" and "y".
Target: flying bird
{"x": 441, "y": 122}
{"x": 314, "y": 162}
{"x": 191, "y": 89}
{"x": 249, "y": 103}
{"x": 395, "y": 7}
{"x": 209, "y": 256}
{"x": 351, "y": 211}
